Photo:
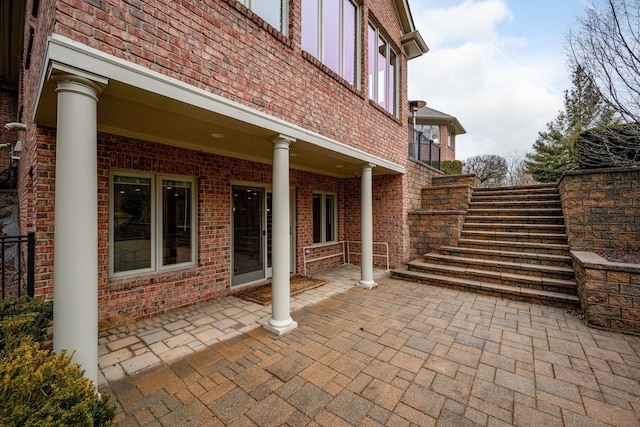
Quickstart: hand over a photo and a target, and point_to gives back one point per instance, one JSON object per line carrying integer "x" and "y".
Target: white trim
{"x": 63, "y": 50}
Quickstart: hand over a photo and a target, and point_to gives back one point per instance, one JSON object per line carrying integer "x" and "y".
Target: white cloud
{"x": 494, "y": 84}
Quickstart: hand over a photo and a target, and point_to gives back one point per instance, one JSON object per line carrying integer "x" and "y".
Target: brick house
{"x": 441, "y": 128}
{"x": 176, "y": 151}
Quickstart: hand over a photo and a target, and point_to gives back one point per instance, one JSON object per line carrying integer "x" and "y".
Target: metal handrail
{"x": 345, "y": 253}
{"x": 417, "y": 142}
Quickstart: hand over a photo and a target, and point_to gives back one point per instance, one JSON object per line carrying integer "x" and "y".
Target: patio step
{"x": 517, "y": 293}
{"x": 513, "y": 244}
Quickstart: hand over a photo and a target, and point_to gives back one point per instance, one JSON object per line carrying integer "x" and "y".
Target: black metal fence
{"x": 423, "y": 149}
{"x": 18, "y": 273}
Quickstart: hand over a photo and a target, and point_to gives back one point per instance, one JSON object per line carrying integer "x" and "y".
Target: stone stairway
{"x": 512, "y": 244}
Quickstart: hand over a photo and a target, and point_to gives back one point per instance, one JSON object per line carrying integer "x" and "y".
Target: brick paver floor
{"x": 398, "y": 355}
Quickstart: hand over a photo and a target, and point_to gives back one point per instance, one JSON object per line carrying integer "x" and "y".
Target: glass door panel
{"x": 248, "y": 234}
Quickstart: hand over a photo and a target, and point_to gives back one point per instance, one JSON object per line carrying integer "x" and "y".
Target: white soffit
{"x": 68, "y": 53}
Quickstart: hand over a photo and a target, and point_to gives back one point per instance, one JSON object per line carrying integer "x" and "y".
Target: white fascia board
{"x": 66, "y": 51}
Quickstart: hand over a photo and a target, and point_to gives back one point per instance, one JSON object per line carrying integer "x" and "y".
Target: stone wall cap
{"x": 601, "y": 170}
{"x": 437, "y": 212}
{"x": 595, "y": 261}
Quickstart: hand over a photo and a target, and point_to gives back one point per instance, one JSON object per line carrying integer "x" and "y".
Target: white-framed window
{"x": 325, "y": 213}
{"x": 431, "y": 132}
{"x": 383, "y": 71}
{"x": 152, "y": 222}
{"x": 275, "y": 12}
{"x": 450, "y": 140}
{"x": 330, "y": 31}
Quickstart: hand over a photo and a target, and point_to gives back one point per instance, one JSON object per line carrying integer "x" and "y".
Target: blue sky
{"x": 499, "y": 66}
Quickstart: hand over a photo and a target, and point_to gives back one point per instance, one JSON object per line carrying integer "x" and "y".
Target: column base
{"x": 367, "y": 284}
{"x": 280, "y": 327}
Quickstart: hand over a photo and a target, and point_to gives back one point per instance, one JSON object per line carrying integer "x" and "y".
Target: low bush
{"x": 23, "y": 317}
{"x": 451, "y": 167}
{"x": 41, "y": 388}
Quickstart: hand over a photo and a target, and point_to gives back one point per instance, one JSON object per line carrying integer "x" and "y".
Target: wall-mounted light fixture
{"x": 15, "y": 126}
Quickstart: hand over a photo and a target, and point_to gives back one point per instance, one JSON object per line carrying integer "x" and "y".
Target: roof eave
{"x": 413, "y": 45}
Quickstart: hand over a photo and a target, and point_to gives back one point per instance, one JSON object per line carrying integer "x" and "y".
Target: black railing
{"x": 15, "y": 280}
{"x": 423, "y": 149}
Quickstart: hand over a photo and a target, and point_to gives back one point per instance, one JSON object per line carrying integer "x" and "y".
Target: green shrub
{"x": 23, "y": 317}
{"x": 42, "y": 388}
{"x": 451, "y": 167}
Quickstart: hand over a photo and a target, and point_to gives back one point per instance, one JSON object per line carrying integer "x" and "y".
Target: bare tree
{"x": 607, "y": 45}
{"x": 490, "y": 168}
{"x": 517, "y": 169}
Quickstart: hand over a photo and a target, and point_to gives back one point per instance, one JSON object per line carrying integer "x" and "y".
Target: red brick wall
{"x": 221, "y": 47}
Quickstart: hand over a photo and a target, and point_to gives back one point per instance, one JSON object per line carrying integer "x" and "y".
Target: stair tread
{"x": 515, "y": 233}
{"x": 507, "y": 243}
{"x": 496, "y": 274}
{"x": 530, "y": 255}
{"x": 490, "y": 286}
{"x": 526, "y": 266}
{"x": 505, "y": 224}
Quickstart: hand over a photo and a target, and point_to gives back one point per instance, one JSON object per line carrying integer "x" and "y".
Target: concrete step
{"x": 523, "y": 190}
{"x": 496, "y": 277}
{"x": 506, "y": 255}
{"x": 563, "y": 272}
{"x": 476, "y": 211}
{"x": 499, "y": 245}
{"x": 516, "y": 219}
{"x": 525, "y": 236}
{"x": 517, "y": 204}
{"x": 511, "y": 292}
{"x": 514, "y": 197}
{"x": 514, "y": 227}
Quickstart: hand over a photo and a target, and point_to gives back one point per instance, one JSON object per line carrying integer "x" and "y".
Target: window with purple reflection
{"x": 310, "y": 26}
{"x": 391, "y": 92}
{"x": 349, "y": 43}
{"x": 371, "y": 55}
{"x": 383, "y": 71}
{"x": 329, "y": 33}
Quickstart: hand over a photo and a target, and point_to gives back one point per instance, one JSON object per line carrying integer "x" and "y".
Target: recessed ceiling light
{"x": 339, "y": 166}
{"x": 294, "y": 154}
{"x": 218, "y": 135}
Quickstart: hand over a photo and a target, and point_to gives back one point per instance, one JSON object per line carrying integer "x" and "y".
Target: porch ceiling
{"x": 189, "y": 119}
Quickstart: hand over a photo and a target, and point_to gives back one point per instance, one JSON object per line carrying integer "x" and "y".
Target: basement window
{"x": 152, "y": 223}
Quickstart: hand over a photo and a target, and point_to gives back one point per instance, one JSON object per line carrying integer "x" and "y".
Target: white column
{"x": 75, "y": 304}
{"x": 366, "y": 229}
{"x": 281, "y": 321}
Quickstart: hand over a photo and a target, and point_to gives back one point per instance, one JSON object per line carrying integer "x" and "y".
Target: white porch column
{"x": 366, "y": 229}
{"x": 281, "y": 321}
{"x": 75, "y": 304}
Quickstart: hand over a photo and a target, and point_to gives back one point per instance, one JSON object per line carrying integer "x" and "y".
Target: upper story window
{"x": 272, "y": 11}
{"x": 451, "y": 138}
{"x": 329, "y": 33}
{"x": 383, "y": 71}
{"x": 431, "y": 132}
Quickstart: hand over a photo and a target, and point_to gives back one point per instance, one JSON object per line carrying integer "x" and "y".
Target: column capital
{"x": 68, "y": 82}
{"x": 282, "y": 141}
{"x": 368, "y": 166}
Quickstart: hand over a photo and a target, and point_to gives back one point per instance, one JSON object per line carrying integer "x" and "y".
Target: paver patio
{"x": 401, "y": 354}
